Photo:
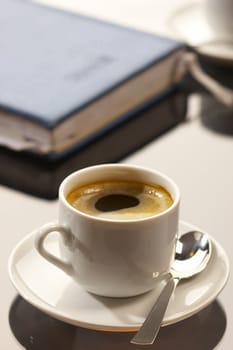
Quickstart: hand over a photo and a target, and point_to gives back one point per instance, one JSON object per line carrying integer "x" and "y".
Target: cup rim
{"x": 68, "y": 178}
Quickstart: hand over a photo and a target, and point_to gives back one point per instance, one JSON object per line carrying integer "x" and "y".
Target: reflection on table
{"x": 35, "y": 330}
{"x": 42, "y": 176}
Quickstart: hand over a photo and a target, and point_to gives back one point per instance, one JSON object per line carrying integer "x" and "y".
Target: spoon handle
{"x": 150, "y": 328}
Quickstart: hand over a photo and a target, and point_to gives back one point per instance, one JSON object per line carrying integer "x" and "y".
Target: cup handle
{"x": 41, "y": 235}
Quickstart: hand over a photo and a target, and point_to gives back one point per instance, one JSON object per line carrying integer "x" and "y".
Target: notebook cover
{"x": 54, "y": 63}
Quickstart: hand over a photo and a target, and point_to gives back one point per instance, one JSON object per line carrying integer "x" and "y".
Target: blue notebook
{"x": 65, "y": 78}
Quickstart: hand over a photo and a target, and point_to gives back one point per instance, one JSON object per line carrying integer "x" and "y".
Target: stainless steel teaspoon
{"x": 193, "y": 251}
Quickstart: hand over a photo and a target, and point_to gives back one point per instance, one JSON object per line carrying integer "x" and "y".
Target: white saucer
{"x": 49, "y": 289}
{"x": 190, "y": 24}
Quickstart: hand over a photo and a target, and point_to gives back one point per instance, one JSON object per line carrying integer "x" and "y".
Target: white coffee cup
{"x": 219, "y": 15}
{"x": 114, "y": 258}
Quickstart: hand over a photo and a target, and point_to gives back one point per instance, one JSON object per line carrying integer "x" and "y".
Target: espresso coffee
{"x": 120, "y": 200}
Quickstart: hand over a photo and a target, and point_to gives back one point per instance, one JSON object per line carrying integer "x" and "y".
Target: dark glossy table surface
{"x": 199, "y": 159}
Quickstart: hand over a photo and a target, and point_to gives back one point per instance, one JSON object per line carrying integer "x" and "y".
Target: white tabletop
{"x": 197, "y": 158}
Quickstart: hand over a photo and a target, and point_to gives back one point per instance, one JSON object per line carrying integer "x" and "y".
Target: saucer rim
{"x": 199, "y": 47}
{"x": 41, "y": 304}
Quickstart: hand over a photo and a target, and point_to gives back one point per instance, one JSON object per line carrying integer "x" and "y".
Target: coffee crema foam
{"x": 120, "y": 200}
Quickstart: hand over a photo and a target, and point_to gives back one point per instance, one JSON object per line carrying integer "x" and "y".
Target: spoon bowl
{"x": 193, "y": 251}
